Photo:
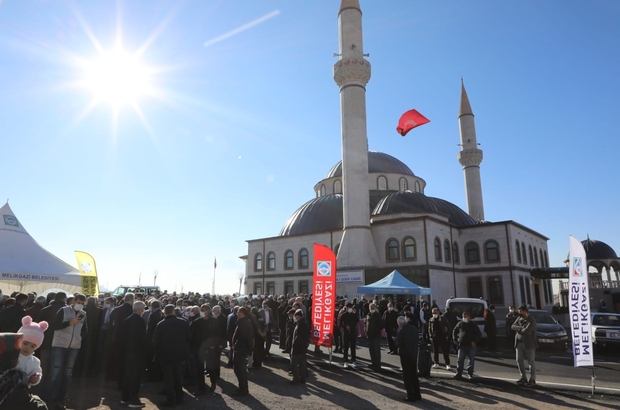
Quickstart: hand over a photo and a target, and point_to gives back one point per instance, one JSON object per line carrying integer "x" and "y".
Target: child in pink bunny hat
{"x": 33, "y": 338}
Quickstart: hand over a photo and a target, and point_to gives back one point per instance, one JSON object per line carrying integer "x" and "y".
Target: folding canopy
{"x": 394, "y": 284}
{"x": 25, "y": 265}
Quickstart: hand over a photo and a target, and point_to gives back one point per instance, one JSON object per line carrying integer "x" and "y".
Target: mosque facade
{"x": 372, "y": 211}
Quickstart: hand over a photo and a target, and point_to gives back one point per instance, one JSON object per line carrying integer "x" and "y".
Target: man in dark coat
{"x": 373, "y": 327}
{"x": 231, "y": 325}
{"x": 118, "y": 317}
{"x": 154, "y": 371}
{"x": 349, "y": 320}
{"x": 11, "y": 318}
{"x": 48, "y": 314}
{"x": 439, "y": 332}
{"x": 407, "y": 340}
{"x": 89, "y": 353}
{"x": 243, "y": 345}
{"x": 391, "y": 327}
{"x": 34, "y": 310}
{"x": 490, "y": 328}
{"x": 133, "y": 336}
{"x": 299, "y": 346}
{"x": 171, "y": 344}
{"x": 281, "y": 311}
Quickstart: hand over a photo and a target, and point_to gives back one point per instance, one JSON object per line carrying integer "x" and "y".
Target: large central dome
{"x": 378, "y": 163}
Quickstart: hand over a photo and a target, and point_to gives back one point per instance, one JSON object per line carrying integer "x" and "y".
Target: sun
{"x": 117, "y": 78}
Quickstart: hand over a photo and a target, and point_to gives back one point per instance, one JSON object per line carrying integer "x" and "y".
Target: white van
{"x": 475, "y": 307}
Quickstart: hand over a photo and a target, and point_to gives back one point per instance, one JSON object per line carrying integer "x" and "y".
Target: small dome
{"x": 378, "y": 163}
{"x": 408, "y": 201}
{"x": 317, "y": 215}
{"x": 598, "y": 250}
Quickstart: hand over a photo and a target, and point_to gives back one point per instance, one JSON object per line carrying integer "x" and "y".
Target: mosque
{"x": 372, "y": 211}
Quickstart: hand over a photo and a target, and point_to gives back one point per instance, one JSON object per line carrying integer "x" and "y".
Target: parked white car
{"x": 605, "y": 329}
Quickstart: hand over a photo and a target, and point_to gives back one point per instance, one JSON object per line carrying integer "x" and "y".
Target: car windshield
{"x": 606, "y": 320}
{"x": 543, "y": 318}
{"x": 120, "y": 291}
{"x": 475, "y": 309}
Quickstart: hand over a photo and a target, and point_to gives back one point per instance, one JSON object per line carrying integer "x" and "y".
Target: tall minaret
{"x": 351, "y": 73}
{"x": 470, "y": 158}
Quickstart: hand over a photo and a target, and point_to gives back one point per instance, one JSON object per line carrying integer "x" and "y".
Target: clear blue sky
{"x": 227, "y": 140}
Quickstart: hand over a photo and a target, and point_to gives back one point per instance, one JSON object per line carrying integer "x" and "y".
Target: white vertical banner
{"x": 579, "y": 305}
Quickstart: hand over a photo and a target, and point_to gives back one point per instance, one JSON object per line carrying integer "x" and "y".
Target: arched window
{"x": 546, "y": 260}
{"x": 535, "y": 257}
{"x": 409, "y": 251}
{"x": 258, "y": 262}
{"x": 437, "y": 249}
{"x": 446, "y": 250}
{"x": 531, "y": 255}
{"x": 417, "y": 186}
{"x": 456, "y": 255}
{"x": 271, "y": 261}
{"x": 392, "y": 250}
{"x": 289, "y": 260}
{"x": 382, "y": 184}
{"x": 323, "y": 190}
{"x": 518, "y": 250}
{"x": 303, "y": 258}
{"x": 402, "y": 184}
{"x": 524, "y": 253}
{"x": 337, "y": 187}
{"x": 542, "y": 260}
{"x": 336, "y": 249}
{"x": 472, "y": 252}
{"x": 491, "y": 251}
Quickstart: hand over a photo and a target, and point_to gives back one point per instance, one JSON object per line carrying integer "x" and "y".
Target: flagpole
{"x": 213, "y": 285}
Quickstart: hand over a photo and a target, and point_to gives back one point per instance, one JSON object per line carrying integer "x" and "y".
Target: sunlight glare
{"x": 118, "y": 78}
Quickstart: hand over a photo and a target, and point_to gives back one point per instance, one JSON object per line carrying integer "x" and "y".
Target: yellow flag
{"x": 88, "y": 270}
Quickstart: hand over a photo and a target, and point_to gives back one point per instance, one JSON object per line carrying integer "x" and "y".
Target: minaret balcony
{"x": 470, "y": 157}
{"x": 349, "y": 71}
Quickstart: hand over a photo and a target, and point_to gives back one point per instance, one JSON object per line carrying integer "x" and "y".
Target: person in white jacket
{"x": 33, "y": 338}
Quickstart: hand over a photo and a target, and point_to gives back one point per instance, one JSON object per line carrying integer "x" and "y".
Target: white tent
{"x": 25, "y": 265}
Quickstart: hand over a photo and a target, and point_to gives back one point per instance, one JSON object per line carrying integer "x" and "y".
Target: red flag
{"x": 409, "y": 121}
{"x": 214, "y": 263}
{"x": 323, "y": 296}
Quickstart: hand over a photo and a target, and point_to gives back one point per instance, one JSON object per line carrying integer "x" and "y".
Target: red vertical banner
{"x": 323, "y": 296}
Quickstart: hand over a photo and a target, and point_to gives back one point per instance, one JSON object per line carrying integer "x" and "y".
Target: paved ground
{"x": 330, "y": 387}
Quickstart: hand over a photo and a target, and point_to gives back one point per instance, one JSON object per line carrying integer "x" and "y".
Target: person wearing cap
{"x": 299, "y": 346}
{"x": 33, "y": 338}
{"x": 349, "y": 320}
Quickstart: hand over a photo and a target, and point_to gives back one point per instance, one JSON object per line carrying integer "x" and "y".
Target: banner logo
{"x": 577, "y": 267}
{"x": 324, "y": 268}
{"x": 86, "y": 268}
{"x": 11, "y": 221}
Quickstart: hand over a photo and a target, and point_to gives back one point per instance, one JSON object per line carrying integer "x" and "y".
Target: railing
{"x": 594, "y": 284}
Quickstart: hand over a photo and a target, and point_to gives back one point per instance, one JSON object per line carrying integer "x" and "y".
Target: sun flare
{"x": 117, "y": 77}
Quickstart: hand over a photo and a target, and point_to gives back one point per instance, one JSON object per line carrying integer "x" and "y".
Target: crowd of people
{"x": 179, "y": 339}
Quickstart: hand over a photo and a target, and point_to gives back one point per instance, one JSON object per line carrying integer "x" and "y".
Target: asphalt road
{"x": 553, "y": 368}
